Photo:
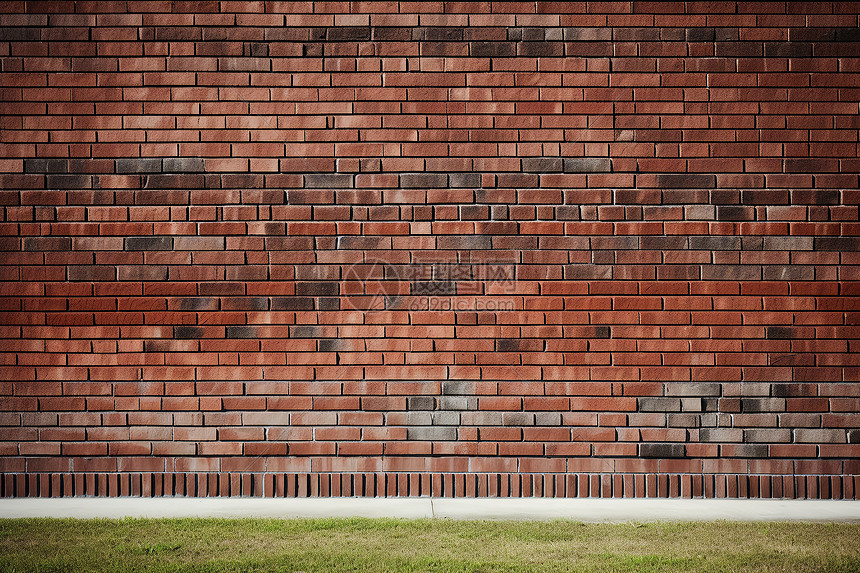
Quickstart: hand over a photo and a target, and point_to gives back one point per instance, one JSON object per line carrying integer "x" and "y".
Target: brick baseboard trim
{"x": 395, "y": 484}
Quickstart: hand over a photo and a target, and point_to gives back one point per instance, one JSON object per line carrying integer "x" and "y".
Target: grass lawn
{"x": 422, "y": 545}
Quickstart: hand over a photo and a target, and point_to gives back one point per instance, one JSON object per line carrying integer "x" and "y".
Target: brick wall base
{"x": 396, "y": 484}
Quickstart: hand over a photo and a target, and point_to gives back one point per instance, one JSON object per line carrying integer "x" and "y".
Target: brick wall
{"x": 447, "y": 248}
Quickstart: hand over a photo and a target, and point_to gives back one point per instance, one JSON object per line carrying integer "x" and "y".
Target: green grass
{"x": 422, "y": 545}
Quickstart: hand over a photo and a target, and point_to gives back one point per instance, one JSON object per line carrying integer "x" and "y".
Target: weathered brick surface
{"x": 474, "y": 249}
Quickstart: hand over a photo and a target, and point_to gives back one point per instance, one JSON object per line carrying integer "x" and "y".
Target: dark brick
{"x": 46, "y": 166}
{"x": 811, "y": 165}
{"x": 531, "y": 34}
{"x": 767, "y": 436}
{"x": 430, "y": 288}
{"x": 328, "y": 345}
{"x": 245, "y": 303}
{"x": 221, "y": 288}
{"x": 847, "y": 244}
{"x": 588, "y": 34}
{"x": 746, "y": 451}
{"x": 659, "y": 404}
{"x": 198, "y": 303}
{"x": 721, "y": 435}
{"x": 350, "y": 242}
{"x": 854, "y": 436}
{"x": 693, "y": 389}
{"x": 659, "y": 243}
{"x": 518, "y": 419}
{"x": 752, "y": 243}
{"x": 602, "y": 332}
{"x": 779, "y": 332}
{"x": 463, "y": 242}
{"x": 443, "y": 34}
{"x": 482, "y": 213}
{"x": 329, "y": 303}
{"x": 847, "y": 34}
{"x": 700, "y": 35}
{"x": 148, "y": 243}
{"x": 517, "y": 180}
{"x": 178, "y": 34}
{"x": 464, "y": 180}
{"x": 329, "y": 181}
{"x": 764, "y": 197}
{"x": 737, "y": 49}
{"x": 317, "y": 289}
{"x": 255, "y": 50}
{"x": 540, "y": 49}
{"x": 815, "y": 197}
{"x": 241, "y": 332}
{"x": 292, "y": 303}
{"x": 186, "y": 332}
{"x": 492, "y": 49}
{"x": 69, "y": 182}
{"x": 735, "y": 213}
{"x": 615, "y": 243}
{"x": 763, "y": 405}
{"x": 92, "y": 273}
{"x": 183, "y": 165}
{"x": 787, "y": 243}
{"x": 724, "y": 197}
{"x": 567, "y": 213}
{"x": 423, "y": 180}
{"x": 420, "y": 403}
{"x": 301, "y": 331}
{"x": 312, "y": 50}
{"x": 21, "y": 34}
{"x": 715, "y": 243}
{"x": 139, "y": 165}
{"x": 507, "y": 345}
{"x": 787, "y": 50}
{"x": 812, "y": 34}
{"x": 47, "y": 243}
{"x": 683, "y": 420}
{"x": 662, "y": 450}
{"x": 587, "y": 165}
{"x": 686, "y": 181}
{"x": 588, "y": 49}
{"x": 391, "y": 34}
{"x": 542, "y": 164}
{"x": 348, "y": 34}
{"x": 174, "y": 181}
{"x": 458, "y": 388}
{"x": 641, "y": 34}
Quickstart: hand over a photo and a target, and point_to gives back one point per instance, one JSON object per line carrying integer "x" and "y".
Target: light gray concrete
{"x": 591, "y": 510}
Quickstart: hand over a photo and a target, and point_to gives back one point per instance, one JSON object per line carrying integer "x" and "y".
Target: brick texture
{"x": 438, "y": 248}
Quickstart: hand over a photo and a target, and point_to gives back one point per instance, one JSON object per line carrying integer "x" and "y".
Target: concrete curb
{"x": 588, "y": 510}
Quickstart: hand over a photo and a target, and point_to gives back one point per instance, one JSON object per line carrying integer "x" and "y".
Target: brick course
{"x": 438, "y": 248}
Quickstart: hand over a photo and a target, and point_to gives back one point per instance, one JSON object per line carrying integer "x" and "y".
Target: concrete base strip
{"x": 589, "y": 510}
